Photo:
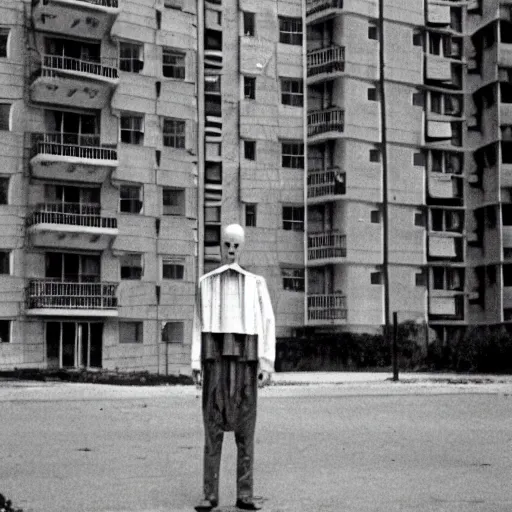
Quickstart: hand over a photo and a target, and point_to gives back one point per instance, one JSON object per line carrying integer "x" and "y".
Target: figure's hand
{"x": 263, "y": 378}
{"x": 197, "y": 378}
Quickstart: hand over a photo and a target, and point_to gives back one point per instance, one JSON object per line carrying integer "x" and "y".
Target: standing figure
{"x": 233, "y": 347}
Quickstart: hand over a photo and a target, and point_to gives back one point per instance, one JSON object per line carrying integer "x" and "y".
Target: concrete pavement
{"x": 325, "y": 442}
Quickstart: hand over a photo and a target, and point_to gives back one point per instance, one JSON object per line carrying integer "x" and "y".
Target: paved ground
{"x": 344, "y": 442}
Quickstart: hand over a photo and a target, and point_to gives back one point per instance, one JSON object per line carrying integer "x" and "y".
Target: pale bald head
{"x": 233, "y": 238}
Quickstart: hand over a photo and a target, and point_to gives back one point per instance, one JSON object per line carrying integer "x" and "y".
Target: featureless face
{"x": 232, "y": 243}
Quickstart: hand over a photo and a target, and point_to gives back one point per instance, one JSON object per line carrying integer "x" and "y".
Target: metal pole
{"x": 394, "y": 348}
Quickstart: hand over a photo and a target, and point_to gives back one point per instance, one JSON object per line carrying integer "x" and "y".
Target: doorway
{"x": 74, "y": 344}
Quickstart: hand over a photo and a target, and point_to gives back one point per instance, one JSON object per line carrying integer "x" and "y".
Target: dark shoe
{"x": 247, "y": 504}
{"x": 206, "y": 505}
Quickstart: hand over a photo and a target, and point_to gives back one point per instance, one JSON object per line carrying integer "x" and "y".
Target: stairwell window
{"x": 5, "y": 331}
{"x": 4, "y": 190}
{"x": 173, "y": 201}
{"x": 249, "y": 87}
{"x": 173, "y": 64}
{"x": 250, "y": 215}
{"x": 132, "y": 129}
{"x": 376, "y": 277}
{"x": 130, "y": 199}
{"x": 131, "y": 57}
{"x": 5, "y": 262}
{"x": 4, "y": 41}
{"x": 293, "y": 218}
{"x": 5, "y": 117}
{"x": 373, "y": 31}
{"x": 292, "y": 92}
{"x": 131, "y": 266}
{"x": 292, "y": 155}
{"x": 174, "y": 133}
{"x": 249, "y": 24}
{"x": 290, "y": 30}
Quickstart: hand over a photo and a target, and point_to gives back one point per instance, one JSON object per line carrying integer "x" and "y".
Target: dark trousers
{"x": 230, "y": 387}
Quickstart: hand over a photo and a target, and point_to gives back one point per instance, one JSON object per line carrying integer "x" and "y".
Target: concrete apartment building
{"x": 364, "y": 145}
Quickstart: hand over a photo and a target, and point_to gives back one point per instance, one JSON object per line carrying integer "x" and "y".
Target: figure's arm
{"x": 267, "y": 347}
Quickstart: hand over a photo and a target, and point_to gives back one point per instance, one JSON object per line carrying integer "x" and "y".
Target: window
{"x": 131, "y": 57}
{"x": 174, "y": 133}
{"x": 130, "y": 199}
{"x": 212, "y": 214}
{"x": 173, "y": 201}
{"x": 173, "y": 64}
{"x": 5, "y": 262}
{"x": 5, "y": 114}
{"x": 173, "y": 267}
{"x": 4, "y": 39}
{"x": 376, "y": 278}
{"x": 417, "y": 37}
{"x": 372, "y": 94}
{"x": 250, "y": 215}
{"x": 290, "y": 30}
{"x": 420, "y": 278}
{"x": 5, "y": 331}
{"x": 172, "y": 332}
{"x": 130, "y": 332}
{"x": 374, "y": 155}
{"x": 174, "y": 4}
{"x": 292, "y": 92}
{"x": 375, "y": 216}
{"x": 132, "y": 129}
{"x": 419, "y": 219}
{"x": 249, "y": 24}
{"x": 418, "y": 159}
{"x": 293, "y": 279}
{"x": 293, "y": 218}
{"x": 249, "y": 87}
{"x": 4, "y": 190}
{"x": 418, "y": 99}
{"x": 292, "y": 155}
{"x": 131, "y": 266}
{"x": 373, "y": 31}
{"x": 250, "y": 149}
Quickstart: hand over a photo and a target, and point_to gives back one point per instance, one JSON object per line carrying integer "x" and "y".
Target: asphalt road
{"x": 388, "y": 448}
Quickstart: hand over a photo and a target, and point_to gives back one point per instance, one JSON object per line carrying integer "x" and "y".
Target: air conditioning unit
{"x": 473, "y": 179}
{"x": 472, "y": 237}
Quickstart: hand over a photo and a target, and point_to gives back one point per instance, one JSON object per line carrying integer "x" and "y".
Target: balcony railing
{"x": 330, "y": 244}
{"x": 72, "y": 145}
{"x": 107, "y": 68}
{"x": 327, "y": 307}
{"x": 102, "y": 3}
{"x": 71, "y": 214}
{"x": 326, "y": 183}
{"x": 55, "y": 293}
{"x": 314, "y": 6}
{"x": 326, "y": 60}
{"x": 327, "y": 120}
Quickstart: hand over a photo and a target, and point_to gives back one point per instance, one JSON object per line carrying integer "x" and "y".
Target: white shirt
{"x": 230, "y": 299}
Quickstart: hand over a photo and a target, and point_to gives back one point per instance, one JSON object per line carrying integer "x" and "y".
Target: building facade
{"x": 363, "y": 144}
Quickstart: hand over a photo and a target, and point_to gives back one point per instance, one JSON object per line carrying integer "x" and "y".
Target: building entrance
{"x": 74, "y": 344}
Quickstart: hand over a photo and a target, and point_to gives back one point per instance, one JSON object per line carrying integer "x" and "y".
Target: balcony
{"x": 326, "y": 248}
{"x": 90, "y": 19}
{"x": 317, "y": 10}
{"x": 505, "y": 55}
{"x": 60, "y": 224}
{"x": 324, "y": 62}
{"x": 75, "y": 82}
{"x": 327, "y": 309}
{"x": 48, "y": 296}
{"x": 446, "y": 307}
{"x": 71, "y": 156}
{"x": 326, "y": 185}
{"x": 326, "y": 124}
